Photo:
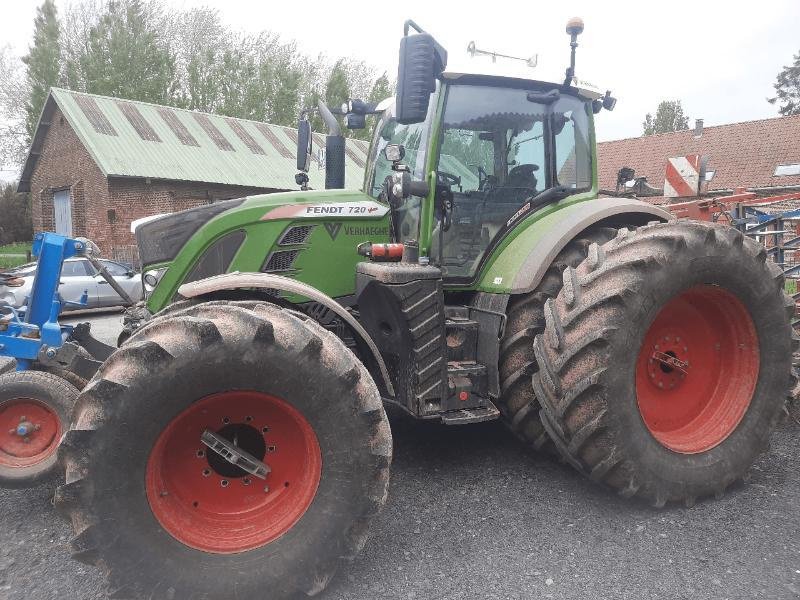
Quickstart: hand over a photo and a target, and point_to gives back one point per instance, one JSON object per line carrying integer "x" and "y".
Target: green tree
{"x": 381, "y": 89}
{"x": 16, "y": 224}
{"x": 43, "y": 62}
{"x": 669, "y": 117}
{"x": 126, "y": 55}
{"x": 337, "y": 90}
{"x": 787, "y": 88}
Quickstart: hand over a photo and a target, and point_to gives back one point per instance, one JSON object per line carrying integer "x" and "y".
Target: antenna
{"x": 574, "y": 29}
{"x": 473, "y": 51}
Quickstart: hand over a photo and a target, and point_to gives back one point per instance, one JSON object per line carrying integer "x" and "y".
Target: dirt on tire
{"x": 525, "y": 320}
{"x": 50, "y": 390}
{"x": 589, "y": 350}
{"x": 165, "y": 367}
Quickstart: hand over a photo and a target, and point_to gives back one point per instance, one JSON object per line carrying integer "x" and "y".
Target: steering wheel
{"x": 522, "y": 176}
{"x": 448, "y": 179}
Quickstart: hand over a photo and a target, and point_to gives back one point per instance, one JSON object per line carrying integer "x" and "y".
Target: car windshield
{"x": 500, "y": 147}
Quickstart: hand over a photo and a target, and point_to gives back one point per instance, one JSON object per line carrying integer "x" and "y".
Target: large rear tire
{"x": 525, "y": 320}
{"x": 168, "y": 518}
{"x": 35, "y": 410}
{"x": 665, "y": 361}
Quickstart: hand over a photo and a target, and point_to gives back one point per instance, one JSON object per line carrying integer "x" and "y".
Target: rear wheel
{"x": 665, "y": 361}
{"x": 518, "y": 403}
{"x": 282, "y": 389}
{"x": 34, "y": 412}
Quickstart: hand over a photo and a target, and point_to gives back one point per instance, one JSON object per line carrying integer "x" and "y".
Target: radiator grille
{"x": 280, "y": 261}
{"x": 295, "y": 235}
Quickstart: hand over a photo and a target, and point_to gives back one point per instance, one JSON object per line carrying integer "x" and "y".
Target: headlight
{"x": 151, "y": 279}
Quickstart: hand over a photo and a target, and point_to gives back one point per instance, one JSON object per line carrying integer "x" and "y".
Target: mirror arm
{"x": 411, "y": 24}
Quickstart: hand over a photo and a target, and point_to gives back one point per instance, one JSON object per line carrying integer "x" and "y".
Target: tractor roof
{"x": 518, "y": 78}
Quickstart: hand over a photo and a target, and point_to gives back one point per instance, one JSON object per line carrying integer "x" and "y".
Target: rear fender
{"x": 518, "y": 267}
{"x": 266, "y": 281}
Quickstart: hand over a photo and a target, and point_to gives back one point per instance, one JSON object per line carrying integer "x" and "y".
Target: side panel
{"x": 325, "y": 258}
{"x": 518, "y": 265}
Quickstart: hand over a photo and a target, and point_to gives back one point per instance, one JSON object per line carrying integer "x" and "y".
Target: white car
{"x": 77, "y": 276}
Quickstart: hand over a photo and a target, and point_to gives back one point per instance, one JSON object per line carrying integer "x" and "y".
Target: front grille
{"x": 280, "y": 261}
{"x": 295, "y": 235}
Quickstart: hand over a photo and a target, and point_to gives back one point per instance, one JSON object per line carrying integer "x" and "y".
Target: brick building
{"x": 97, "y": 163}
{"x": 762, "y": 156}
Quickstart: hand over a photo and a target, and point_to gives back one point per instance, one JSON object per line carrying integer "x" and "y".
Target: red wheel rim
{"x": 697, "y": 369}
{"x": 29, "y": 432}
{"x": 211, "y": 505}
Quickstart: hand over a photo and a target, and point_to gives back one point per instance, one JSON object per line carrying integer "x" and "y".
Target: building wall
{"x": 66, "y": 164}
{"x": 103, "y": 208}
{"x": 131, "y": 199}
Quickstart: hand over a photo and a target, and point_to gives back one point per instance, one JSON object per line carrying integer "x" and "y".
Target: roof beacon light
{"x": 473, "y": 51}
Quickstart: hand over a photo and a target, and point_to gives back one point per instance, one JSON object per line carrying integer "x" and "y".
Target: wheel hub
{"x": 668, "y": 364}
{"x": 29, "y": 432}
{"x": 242, "y": 486}
{"x": 697, "y": 369}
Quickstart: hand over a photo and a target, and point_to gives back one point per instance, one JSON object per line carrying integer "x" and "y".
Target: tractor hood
{"x": 310, "y": 236}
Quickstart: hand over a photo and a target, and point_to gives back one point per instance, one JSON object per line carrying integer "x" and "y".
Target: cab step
{"x": 466, "y": 416}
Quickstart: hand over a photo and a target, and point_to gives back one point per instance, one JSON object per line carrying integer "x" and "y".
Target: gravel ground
{"x": 473, "y": 515}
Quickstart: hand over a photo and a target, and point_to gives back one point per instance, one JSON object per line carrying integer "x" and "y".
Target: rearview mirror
{"x": 303, "y": 144}
{"x": 422, "y": 60}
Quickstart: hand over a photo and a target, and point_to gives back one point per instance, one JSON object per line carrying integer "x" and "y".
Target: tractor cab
{"x": 463, "y": 158}
{"x": 501, "y": 143}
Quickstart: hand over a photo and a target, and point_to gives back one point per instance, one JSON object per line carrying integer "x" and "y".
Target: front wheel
{"x": 665, "y": 360}
{"x": 35, "y": 410}
{"x": 141, "y": 482}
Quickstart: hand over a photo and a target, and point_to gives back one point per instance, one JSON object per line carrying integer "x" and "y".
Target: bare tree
{"x": 14, "y": 94}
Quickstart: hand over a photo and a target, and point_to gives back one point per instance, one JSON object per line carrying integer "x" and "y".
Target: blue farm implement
{"x": 47, "y": 363}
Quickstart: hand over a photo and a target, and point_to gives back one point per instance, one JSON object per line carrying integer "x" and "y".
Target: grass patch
{"x": 16, "y": 248}
{"x": 6, "y": 262}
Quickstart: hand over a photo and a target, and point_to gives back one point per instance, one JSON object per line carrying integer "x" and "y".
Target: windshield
{"x": 500, "y": 147}
{"x": 414, "y": 139}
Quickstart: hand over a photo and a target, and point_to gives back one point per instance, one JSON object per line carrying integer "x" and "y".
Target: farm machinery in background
{"x": 44, "y": 364}
{"x": 762, "y": 217}
{"x": 236, "y": 444}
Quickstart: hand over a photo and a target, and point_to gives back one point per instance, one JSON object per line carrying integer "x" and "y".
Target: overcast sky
{"x": 719, "y": 58}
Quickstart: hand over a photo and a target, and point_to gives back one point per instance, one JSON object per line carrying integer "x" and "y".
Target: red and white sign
{"x": 683, "y": 176}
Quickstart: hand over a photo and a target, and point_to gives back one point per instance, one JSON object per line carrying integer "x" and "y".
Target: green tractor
{"x": 236, "y": 444}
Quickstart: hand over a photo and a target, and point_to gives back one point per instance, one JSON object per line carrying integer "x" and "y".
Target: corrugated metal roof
{"x": 137, "y": 139}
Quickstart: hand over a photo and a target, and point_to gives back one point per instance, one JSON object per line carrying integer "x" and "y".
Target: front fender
{"x": 518, "y": 266}
{"x": 264, "y": 281}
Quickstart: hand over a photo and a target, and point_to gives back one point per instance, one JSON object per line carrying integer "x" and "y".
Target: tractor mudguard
{"x": 519, "y": 265}
{"x": 238, "y": 281}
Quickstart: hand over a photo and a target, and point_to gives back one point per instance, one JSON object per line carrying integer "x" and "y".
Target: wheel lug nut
{"x": 206, "y": 472}
{"x": 246, "y": 481}
{"x": 224, "y": 483}
{"x": 266, "y": 489}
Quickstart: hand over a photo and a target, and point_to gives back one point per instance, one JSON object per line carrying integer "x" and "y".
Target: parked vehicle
{"x": 78, "y": 276}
